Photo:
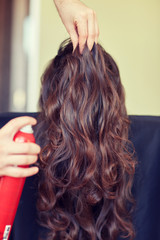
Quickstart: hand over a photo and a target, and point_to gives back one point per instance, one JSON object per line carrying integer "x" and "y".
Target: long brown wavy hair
{"x": 86, "y": 162}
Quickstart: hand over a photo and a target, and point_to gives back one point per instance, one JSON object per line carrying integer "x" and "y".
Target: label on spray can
{"x": 6, "y": 232}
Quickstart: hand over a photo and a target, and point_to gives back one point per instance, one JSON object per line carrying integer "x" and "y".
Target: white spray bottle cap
{"x": 27, "y": 129}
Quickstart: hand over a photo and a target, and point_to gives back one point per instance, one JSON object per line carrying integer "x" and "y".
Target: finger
{"x": 15, "y": 124}
{"x": 74, "y": 37}
{"x": 21, "y": 159}
{"x": 22, "y": 148}
{"x": 16, "y": 160}
{"x": 96, "y": 30}
{"x": 82, "y": 33}
{"x": 91, "y": 30}
{"x": 18, "y": 171}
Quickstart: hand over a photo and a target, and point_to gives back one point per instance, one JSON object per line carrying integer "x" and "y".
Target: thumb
{"x": 14, "y": 125}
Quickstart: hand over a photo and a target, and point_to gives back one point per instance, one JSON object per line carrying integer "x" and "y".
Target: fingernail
{"x": 90, "y": 45}
{"x": 36, "y": 170}
{"x": 81, "y": 49}
{"x": 74, "y": 47}
{"x": 96, "y": 40}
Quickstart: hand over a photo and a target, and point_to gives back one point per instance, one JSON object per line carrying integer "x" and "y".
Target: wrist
{"x": 60, "y": 2}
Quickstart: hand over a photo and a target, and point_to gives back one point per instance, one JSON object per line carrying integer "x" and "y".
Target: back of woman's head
{"x": 87, "y": 168}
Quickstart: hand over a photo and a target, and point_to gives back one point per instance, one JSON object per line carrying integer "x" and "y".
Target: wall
{"x": 130, "y": 32}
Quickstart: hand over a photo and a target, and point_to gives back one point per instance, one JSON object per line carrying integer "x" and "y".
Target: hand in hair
{"x": 13, "y": 154}
{"x": 80, "y": 22}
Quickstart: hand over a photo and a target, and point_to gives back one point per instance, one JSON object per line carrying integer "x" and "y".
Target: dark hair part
{"x": 86, "y": 164}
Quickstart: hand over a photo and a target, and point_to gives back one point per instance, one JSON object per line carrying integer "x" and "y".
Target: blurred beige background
{"x": 130, "y": 32}
{"x": 31, "y": 32}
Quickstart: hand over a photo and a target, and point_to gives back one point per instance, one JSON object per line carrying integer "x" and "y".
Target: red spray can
{"x": 11, "y": 189}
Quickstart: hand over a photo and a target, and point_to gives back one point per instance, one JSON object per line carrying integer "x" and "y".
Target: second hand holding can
{"x": 11, "y": 188}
